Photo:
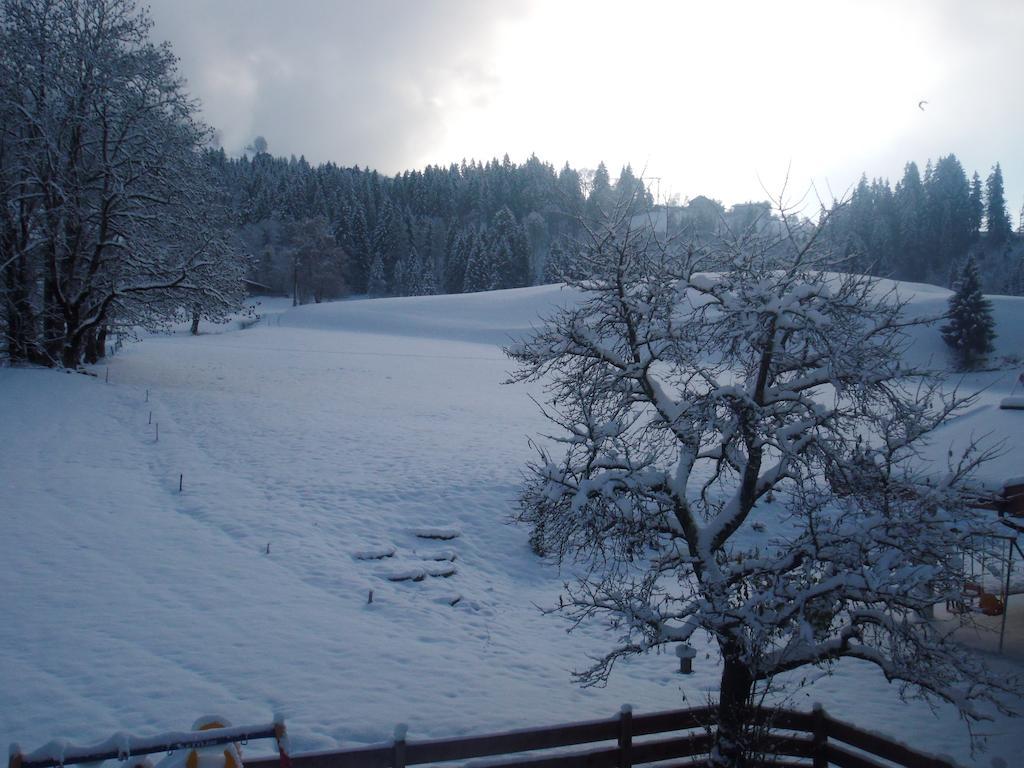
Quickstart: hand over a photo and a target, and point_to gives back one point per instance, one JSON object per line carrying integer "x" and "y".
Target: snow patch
{"x": 374, "y": 553}
{"x": 441, "y": 534}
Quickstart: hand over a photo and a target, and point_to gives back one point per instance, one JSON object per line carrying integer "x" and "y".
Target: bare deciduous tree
{"x": 108, "y": 203}
{"x": 699, "y": 396}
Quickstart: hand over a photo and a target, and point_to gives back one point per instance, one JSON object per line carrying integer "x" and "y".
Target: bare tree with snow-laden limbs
{"x": 109, "y": 211}
{"x": 701, "y": 395}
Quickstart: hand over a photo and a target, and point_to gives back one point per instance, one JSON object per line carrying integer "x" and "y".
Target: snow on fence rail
{"x": 790, "y": 739}
{"x": 121, "y": 746}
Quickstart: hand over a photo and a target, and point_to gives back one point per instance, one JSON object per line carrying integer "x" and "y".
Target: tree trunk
{"x": 195, "y": 322}
{"x": 730, "y": 748}
{"x": 89, "y": 345}
{"x": 71, "y": 353}
{"x": 54, "y": 327}
{"x": 21, "y": 333}
{"x": 101, "y": 341}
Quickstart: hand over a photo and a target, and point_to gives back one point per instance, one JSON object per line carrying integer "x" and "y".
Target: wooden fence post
{"x": 398, "y": 747}
{"x": 820, "y": 736}
{"x": 626, "y": 736}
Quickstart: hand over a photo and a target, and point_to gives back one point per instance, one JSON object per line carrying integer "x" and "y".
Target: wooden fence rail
{"x": 788, "y": 739}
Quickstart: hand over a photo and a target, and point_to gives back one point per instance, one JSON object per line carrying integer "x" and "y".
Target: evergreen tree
{"x": 539, "y": 242}
{"x": 977, "y": 205}
{"x": 970, "y": 329}
{"x": 404, "y": 276}
{"x": 482, "y": 272}
{"x": 377, "y": 284}
{"x": 455, "y": 262}
{"x": 390, "y": 240}
{"x": 630, "y": 192}
{"x": 601, "y": 199}
{"x": 414, "y": 275}
{"x": 560, "y": 267}
{"x": 426, "y": 285}
{"x": 948, "y": 227}
{"x": 353, "y": 235}
{"x": 997, "y": 220}
{"x": 569, "y": 191}
{"x": 511, "y": 248}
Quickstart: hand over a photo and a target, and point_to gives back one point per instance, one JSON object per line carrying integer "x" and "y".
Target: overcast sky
{"x": 715, "y": 98}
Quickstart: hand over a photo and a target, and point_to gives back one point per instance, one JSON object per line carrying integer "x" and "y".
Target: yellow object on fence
{"x": 221, "y": 756}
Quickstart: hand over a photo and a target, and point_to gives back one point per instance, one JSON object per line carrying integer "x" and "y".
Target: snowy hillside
{"x": 330, "y": 453}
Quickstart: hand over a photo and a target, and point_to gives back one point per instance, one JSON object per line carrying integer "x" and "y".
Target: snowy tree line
{"x": 112, "y": 217}
{"x": 467, "y": 227}
{"x": 480, "y": 226}
{"x": 470, "y": 226}
{"x": 926, "y": 228}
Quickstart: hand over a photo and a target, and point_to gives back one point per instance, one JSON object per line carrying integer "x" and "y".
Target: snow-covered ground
{"x": 324, "y": 453}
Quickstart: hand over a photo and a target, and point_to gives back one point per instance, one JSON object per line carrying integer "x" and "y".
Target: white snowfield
{"x": 324, "y": 453}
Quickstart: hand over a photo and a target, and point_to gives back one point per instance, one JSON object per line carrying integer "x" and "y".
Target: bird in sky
{"x": 920, "y": 105}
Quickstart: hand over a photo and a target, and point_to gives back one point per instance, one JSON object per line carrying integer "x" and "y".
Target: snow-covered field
{"x": 319, "y": 451}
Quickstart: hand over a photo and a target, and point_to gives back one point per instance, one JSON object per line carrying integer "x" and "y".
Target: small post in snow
{"x": 369, "y": 598}
{"x": 686, "y": 655}
{"x": 147, "y": 395}
{"x": 150, "y": 418}
{"x": 181, "y": 481}
{"x": 157, "y": 432}
{"x": 106, "y": 376}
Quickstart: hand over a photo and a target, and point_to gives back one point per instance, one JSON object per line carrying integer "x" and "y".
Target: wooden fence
{"x": 677, "y": 739}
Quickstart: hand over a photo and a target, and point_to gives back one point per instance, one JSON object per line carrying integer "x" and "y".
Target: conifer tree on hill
{"x": 997, "y": 220}
{"x": 977, "y": 209}
{"x": 970, "y": 329}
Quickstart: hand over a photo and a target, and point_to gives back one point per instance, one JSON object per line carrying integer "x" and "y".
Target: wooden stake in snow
{"x": 150, "y": 418}
{"x": 157, "y": 432}
{"x": 369, "y": 598}
{"x": 106, "y": 377}
{"x": 147, "y": 395}
{"x": 181, "y": 481}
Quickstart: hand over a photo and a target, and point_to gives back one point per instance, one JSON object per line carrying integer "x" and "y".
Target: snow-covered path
{"x": 129, "y": 605}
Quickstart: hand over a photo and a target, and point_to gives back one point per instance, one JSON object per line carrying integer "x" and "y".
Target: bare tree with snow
{"x": 700, "y": 397}
{"x": 110, "y": 212}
